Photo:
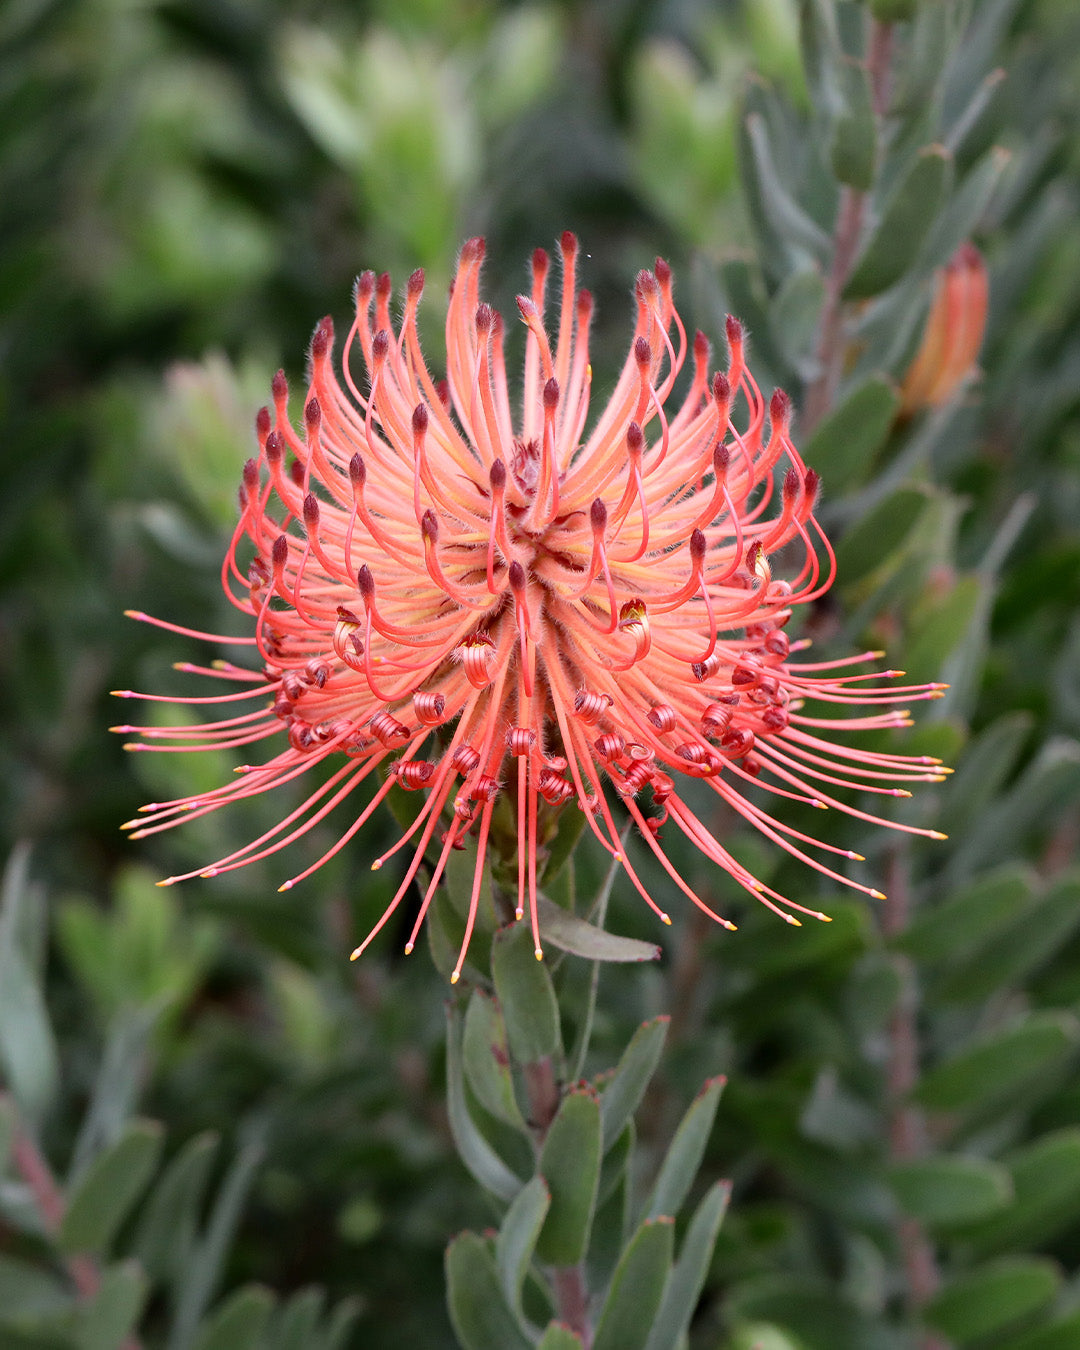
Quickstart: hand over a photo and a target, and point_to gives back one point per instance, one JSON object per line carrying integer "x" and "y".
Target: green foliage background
{"x": 233, "y": 1113}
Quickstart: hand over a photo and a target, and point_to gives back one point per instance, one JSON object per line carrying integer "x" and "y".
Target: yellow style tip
{"x": 878, "y": 895}
{"x": 731, "y": 927}
{"x": 791, "y": 919}
{"x": 519, "y": 913}
{"x": 120, "y": 693}
{"x": 455, "y": 975}
{"x": 355, "y": 953}
{"x": 666, "y": 918}
{"x": 376, "y": 865}
{"x": 409, "y": 949}
{"x": 539, "y": 954}
{"x": 825, "y": 918}
{"x": 165, "y": 881}
{"x": 936, "y": 834}
{"x": 855, "y": 857}
{"x": 285, "y": 886}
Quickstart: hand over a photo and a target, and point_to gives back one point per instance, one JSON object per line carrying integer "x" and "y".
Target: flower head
{"x": 469, "y": 599}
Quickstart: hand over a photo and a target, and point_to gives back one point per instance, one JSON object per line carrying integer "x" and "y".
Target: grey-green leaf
{"x": 481, "y": 1316}
{"x": 950, "y": 1190}
{"x": 526, "y": 995}
{"x": 1000, "y": 1064}
{"x": 240, "y": 1321}
{"x": 474, "y": 1150}
{"x": 558, "y": 1336}
{"x": 991, "y": 1298}
{"x": 683, "y": 1158}
{"x": 623, "y": 1093}
{"x": 853, "y": 144}
{"x": 688, "y": 1276}
{"x": 517, "y": 1236}
{"x": 784, "y": 213}
{"x": 794, "y": 316}
{"x": 844, "y": 445}
{"x": 570, "y": 1164}
{"x": 115, "y": 1308}
{"x": 905, "y": 222}
{"x": 168, "y": 1224}
{"x": 109, "y": 1188}
{"x": 487, "y": 1059}
{"x": 970, "y": 916}
{"x": 572, "y": 934}
{"x": 637, "y": 1288}
{"x": 879, "y": 536}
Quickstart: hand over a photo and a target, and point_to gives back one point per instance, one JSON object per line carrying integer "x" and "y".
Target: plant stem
{"x": 907, "y": 1127}
{"x": 850, "y": 213}
{"x": 568, "y": 1282}
{"x": 48, "y": 1200}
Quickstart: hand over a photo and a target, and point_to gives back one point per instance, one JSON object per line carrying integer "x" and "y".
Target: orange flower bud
{"x": 954, "y": 333}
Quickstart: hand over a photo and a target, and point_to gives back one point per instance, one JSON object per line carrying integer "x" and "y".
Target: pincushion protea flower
{"x": 468, "y": 601}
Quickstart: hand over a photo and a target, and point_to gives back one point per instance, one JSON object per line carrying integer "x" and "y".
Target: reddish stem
{"x": 571, "y": 1293}
{"x": 850, "y": 214}
{"x": 49, "y": 1202}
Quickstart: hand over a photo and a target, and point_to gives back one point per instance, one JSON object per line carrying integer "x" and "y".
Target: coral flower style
{"x": 470, "y": 600}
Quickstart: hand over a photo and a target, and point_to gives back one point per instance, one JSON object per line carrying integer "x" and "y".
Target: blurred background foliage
{"x": 248, "y": 1137}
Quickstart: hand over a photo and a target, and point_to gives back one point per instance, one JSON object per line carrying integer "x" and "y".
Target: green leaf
{"x": 971, "y": 916}
{"x": 481, "y": 1316}
{"x": 526, "y": 994}
{"x": 109, "y": 1189}
{"x": 28, "y": 1055}
{"x": 341, "y": 1323}
{"x": 1046, "y": 1186}
{"x": 623, "y": 1092}
{"x": 558, "y": 1336}
{"x": 167, "y": 1226}
{"x": 880, "y": 536}
{"x": 517, "y": 1237}
{"x": 473, "y": 1149}
{"x": 28, "y": 1292}
{"x": 115, "y": 1308}
{"x": 683, "y": 1158}
{"x": 203, "y": 1270}
{"x": 948, "y": 1191}
{"x": 1025, "y": 945}
{"x": 570, "y": 1164}
{"x": 985, "y": 767}
{"x": 240, "y": 1321}
{"x": 820, "y": 49}
{"x": 782, "y": 211}
{"x": 794, "y": 315}
{"x": 853, "y": 143}
{"x": 7, "y": 1130}
{"x": 844, "y": 445}
{"x": 688, "y": 1277}
{"x": 939, "y": 628}
{"x": 1061, "y": 1335}
{"x": 966, "y": 208}
{"x": 561, "y": 847}
{"x": 637, "y": 1288}
{"x": 999, "y": 1065}
{"x": 297, "y": 1324}
{"x": 990, "y": 1299}
{"x": 487, "y": 1059}
{"x": 572, "y": 934}
{"x": 1041, "y": 793}
{"x": 905, "y": 222}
